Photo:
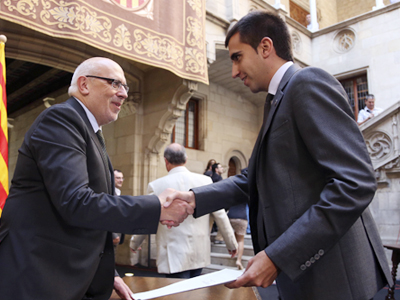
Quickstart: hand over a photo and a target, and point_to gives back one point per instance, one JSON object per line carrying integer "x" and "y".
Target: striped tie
{"x": 102, "y": 141}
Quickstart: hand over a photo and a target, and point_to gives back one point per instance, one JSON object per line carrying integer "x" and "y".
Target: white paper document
{"x": 220, "y": 277}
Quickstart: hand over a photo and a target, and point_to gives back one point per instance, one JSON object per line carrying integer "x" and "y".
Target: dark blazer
{"x": 54, "y": 239}
{"x": 310, "y": 181}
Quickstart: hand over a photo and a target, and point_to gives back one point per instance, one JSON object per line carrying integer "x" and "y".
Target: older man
{"x": 183, "y": 252}
{"x": 55, "y": 240}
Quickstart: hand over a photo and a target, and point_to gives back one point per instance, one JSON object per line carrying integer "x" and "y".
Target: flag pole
{"x": 3, "y": 127}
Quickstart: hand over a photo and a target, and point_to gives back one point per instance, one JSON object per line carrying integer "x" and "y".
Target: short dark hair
{"x": 175, "y": 156}
{"x": 258, "y": 24}
{"x": 214, "y": 166}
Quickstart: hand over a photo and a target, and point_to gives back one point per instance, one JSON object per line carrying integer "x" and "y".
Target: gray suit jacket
{"x": 54, "y": 239}
{"x": 310, "y": 182}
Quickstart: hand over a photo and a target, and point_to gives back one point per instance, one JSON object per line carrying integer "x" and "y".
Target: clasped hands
{"x": 176, "y": 206}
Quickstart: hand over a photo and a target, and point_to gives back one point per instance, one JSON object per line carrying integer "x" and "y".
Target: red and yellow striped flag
{"x": 3, "y": 130}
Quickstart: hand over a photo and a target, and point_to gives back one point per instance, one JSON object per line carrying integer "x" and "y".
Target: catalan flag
{"x": 3, "y": 129}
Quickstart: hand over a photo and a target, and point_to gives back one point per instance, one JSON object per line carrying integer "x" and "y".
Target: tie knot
{"x": 269, "y": 97}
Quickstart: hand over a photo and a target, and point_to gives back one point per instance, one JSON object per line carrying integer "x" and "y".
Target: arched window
{"x": 186, "y": 129}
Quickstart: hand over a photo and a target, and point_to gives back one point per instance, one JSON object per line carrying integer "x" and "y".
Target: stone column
{"x": 234, "y": 11}
{"x": 279, "y": 5}
{"x": 314, "y": 26}
{"x": 379, "y": 4}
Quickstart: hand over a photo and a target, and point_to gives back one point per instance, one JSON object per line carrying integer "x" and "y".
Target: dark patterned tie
{"x": 267, "y": 106}
{"x": 102, "y": 141}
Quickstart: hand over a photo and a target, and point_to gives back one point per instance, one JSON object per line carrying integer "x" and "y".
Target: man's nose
{"x": 235, "y": 71}
{"x": 122, "y": 92}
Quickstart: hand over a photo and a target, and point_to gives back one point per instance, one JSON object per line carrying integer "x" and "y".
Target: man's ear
{"x": 82, "y": 84}
{"x": 266, "y": 46}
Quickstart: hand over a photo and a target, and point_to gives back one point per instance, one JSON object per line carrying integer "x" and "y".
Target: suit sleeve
{"x": 74, "y": 178}
{"x": 138, "y": 239}
{"x": 221, "y": 194}
{"x": 326, "y": 126}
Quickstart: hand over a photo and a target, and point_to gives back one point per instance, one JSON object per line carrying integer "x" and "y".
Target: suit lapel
{"x": 110, "y": 177}
{"x": 278, "y": 98}
{"x": 258, "y": 232}
{"x": 275, "y": 103}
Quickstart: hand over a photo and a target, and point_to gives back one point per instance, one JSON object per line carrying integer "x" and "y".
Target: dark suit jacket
{"x": 310, "y": 182}
{"x": 54, "y": 239}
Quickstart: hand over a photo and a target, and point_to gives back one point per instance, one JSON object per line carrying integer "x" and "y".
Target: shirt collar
{"x": 276, "y": 79}
{"x": 178, "y": 169}
{"x": 90, "y": 116}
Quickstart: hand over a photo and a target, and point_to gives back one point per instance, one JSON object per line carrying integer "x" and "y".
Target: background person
{"x": 369, "y": 111}
{"x": 237, "y": 215}
{"x": 182, "y": 252}
{"x": 208, "y": 171}
{"x": 217, "y": 171}
{"x": 118, "y": 238}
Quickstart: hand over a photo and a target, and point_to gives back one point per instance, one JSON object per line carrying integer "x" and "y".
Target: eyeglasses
{"x": 116, "y": 84}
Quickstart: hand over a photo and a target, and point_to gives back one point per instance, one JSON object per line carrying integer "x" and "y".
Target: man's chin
{"x": 254, "y": 90}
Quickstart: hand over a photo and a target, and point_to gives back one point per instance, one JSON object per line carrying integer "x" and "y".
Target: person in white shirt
{"x": 183, "y": 251}
{"x": 369, "y": 110}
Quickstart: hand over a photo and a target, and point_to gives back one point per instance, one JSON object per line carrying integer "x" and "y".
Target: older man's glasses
{"x": 116, "y": 84}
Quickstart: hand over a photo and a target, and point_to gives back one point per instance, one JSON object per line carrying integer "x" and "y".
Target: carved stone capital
{"x": 131, "y": 104}
{"x": 47, "y": 101}
{"x": 379, "y": 145}
{"x": 167, "y": 122}
{"x": 9, "y": 123}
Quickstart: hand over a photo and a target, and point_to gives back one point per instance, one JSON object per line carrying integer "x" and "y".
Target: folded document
{"x": 220, "y": 277}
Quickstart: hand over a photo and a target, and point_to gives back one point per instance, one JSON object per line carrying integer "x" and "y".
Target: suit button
{"x": 308, "y": 264}
{"x": 321, "y": 252}
{"x": 303, "y": 267}
{"x": 101, "y": 254}
{"x": 316, "y": 256}
{"x": 312, "y": 260}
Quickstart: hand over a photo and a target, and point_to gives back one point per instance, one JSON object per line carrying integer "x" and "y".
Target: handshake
{"x": 176, "y": 206}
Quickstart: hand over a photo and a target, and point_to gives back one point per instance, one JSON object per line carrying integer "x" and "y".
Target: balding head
{"x": 175, "y": 156}
{"x": 94, "y": 84}
{"x": 92, "y": 66}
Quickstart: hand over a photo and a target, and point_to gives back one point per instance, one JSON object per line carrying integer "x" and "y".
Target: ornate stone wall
{"x": 381, "y": 135}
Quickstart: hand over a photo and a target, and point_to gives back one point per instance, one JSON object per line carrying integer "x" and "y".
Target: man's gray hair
{"x": 175, "y": 154}
{"x": 369, "y": 96}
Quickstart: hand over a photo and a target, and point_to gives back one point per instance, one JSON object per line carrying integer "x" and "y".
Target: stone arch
{"x": 178, "y": 104}
{"x": 160, "y": 137}
{"x": 238, "y": 157}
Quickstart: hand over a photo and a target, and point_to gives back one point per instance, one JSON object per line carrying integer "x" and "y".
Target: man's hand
{"x": 233, "y": 253}
{"x": 260, "y": 271}
{"x": 173, "y": 210}
{"x": 135, "y": 250}
{"x": 172, "y": 194}
{"x": 123, "y": 291}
